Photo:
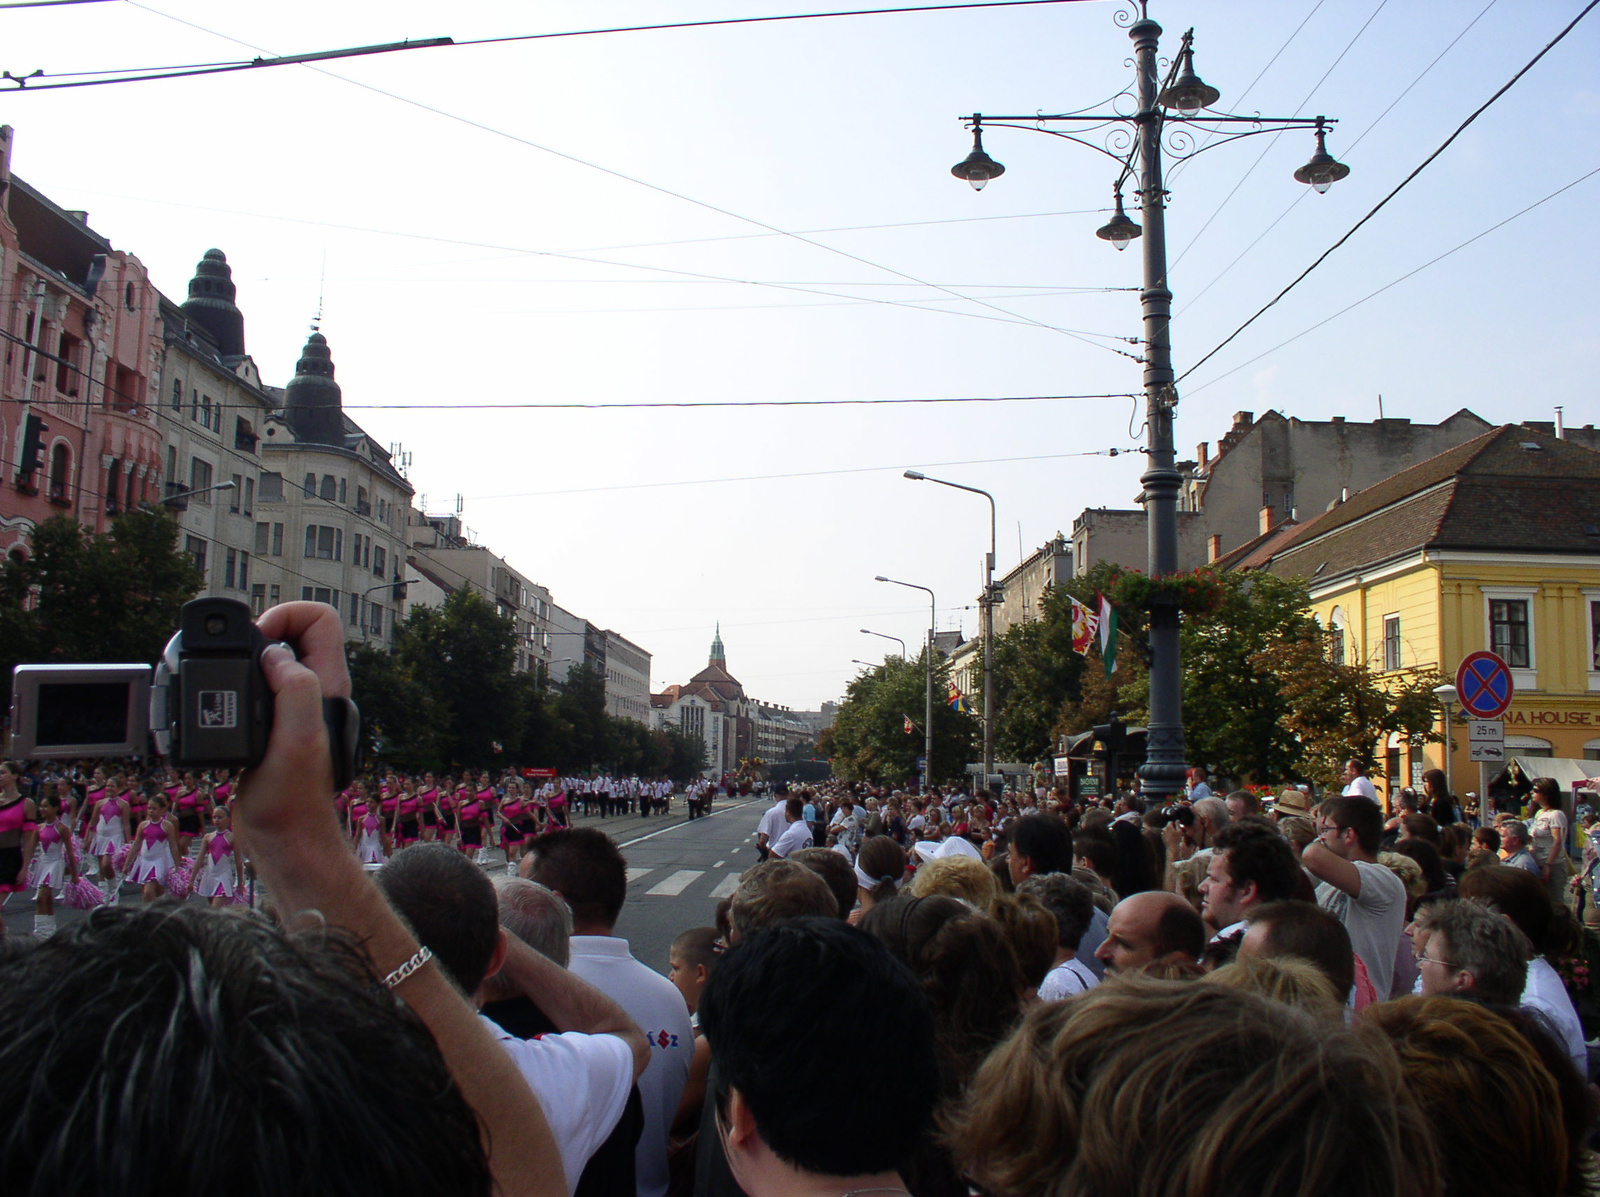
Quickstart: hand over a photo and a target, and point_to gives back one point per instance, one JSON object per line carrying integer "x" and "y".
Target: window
{"x": 363, "y": 507}
{"x": 1336, "y": 650}
{"x": 177, "y": 394}
{"x": 230, "y": 568}
{"x": 196, "y": 548}
{"x": 249, "y": 496}
{"x": 194, "y": 403}
{"x": 311, "y": 486}
{"x": 236, "y": 495}
{"x": 1508, "y": 631}
{"x": 172, "y": 463}
{"x": 60, "y": 471}
{"x": 324, "y": 542}
{"x": 271, "y": 487}
{"x": 342, "y": 492}
{"x": 379, "y": 557}
{"x": 205, "y": 410}
{"x": 244, "y": 435}
{"x": 277, "y": 540}
{"x": 262, "y": 531}
{"x": 329, "y": 487}
{"x": 1594, "y": 635}
{"x": 200, "y": 478}
{"x": 355, "y": 548}
{"x": 244, "y": 569}
{"x": 377, "y": 619}
{"x": 1391, "y": 642}
{"x": 274, "y": 595}
{"x": 355, "y": 609}
{"x": 317, "y": 594}
{"x": 367, "y": 560}
{"x": 133, "y": 488}
{"x": 258, "y": 600}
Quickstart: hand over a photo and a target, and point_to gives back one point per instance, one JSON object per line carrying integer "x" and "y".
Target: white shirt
{"x": 1065, "y": 979}
{"x": 1374, "y": 918}
{"x": 582, "y": 1083}
{"x": 771, "y": 824}
{"x": 1546, "y": 994}
{"x": 795, "y": 837}
{"x": 1361, "y": 787}
{"x": 655, "y": 1004}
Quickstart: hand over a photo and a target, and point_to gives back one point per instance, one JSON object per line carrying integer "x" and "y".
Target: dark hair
{"x": 759, "y": 1012}
{"x": 1426, "y": 855}
{"x": 1180, "y": 929}
{"x": 1031, "y": 930}
{"x": 584, "y": 866}
{"x": 1095, "y": 844}
{"x": 1260, "y": 856}
{"x": 451, "y": 906}
{"x": 1136, "y": 870}
{"x": 1044, "y": 839}
{"x": 1517, "y": 894}
{"x": 794, "y": 807}
{"x": 1361, "y": 815}
{"x": 885, "y": 861}
{"x": 1306, "y": 930}
{"x": 1489, "y": 835}
{"x": 1421, "y": 827}
{"x": 245, "y": 1057}
{"x": 835, "y": 870}
{"x": 1068, "y": 899}
{"x": 698, "y": 947}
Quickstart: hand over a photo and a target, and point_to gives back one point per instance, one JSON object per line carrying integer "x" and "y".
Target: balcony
{"x": 177, "y": 496}
{"x": 244, "y": 441}
{"x": 363, "y": 507}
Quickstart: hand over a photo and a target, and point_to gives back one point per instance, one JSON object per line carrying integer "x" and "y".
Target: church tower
{"x": 719, "y": 655}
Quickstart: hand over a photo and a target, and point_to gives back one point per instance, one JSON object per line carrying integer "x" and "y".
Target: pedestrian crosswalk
{"x": 714, "y": 883}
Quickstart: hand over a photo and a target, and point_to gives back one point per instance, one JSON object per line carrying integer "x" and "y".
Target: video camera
{"x": 205, "y": 704}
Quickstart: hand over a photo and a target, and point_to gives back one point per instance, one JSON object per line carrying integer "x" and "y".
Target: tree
{"x": 400, "y": 720}
{"x": 95, "y": 599}
{"x": 868, "y": 738}
{"x": 582, "y": 705}
{"x": 462, "y": 655}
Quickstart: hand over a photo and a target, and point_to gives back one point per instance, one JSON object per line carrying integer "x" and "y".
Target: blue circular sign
{"x": 1484, "y": 686}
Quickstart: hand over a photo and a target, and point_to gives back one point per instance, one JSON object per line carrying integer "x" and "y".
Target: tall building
{"x": 331, "y": 507}
{"x": 627, "y": 674}
{"x": 713, "y": 704}
{"x": 82, "y": 332}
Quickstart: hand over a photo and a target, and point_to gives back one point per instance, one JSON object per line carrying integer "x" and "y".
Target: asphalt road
{"x": 678, "y": 870}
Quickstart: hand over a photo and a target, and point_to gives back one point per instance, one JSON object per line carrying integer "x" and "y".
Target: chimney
{"x": 1203, "y": 452}
{"x": 1269, "y": 518}
{"x": 79, "y": 215}
{"x": 1243, "y": 420}
{"x": 1213, "y": 547}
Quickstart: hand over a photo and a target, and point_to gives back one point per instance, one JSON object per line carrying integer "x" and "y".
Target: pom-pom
{"x": 119, "y": 862}
{"x": 180, "y": 879}
{"x": 83, "y": 894}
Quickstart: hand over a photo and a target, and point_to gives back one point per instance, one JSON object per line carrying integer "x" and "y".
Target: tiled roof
{"x": 1510, "y": 490}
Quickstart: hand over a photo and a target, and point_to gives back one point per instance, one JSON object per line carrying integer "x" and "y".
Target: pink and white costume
{"x": 50, "y": 857}
{"x": 107, "y": 831}
{"x": 155, "y": 856}
{"x": 218, "y": 879}
{"x": 369, "y": 848}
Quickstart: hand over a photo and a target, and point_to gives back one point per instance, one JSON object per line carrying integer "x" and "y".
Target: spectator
{"x": 1363, "y": 894}
{"x": 1241, "y": 803}
{"x": 1418, "y": 827}
{"x": 1494, "y": 1108}
{"x": 1072, "y": 905}
{"x": 1031, "y": 930}
{"x": 1249, "y": 866}
{"x": 836, "y": 873}
{"x": 796, "y": 833}
{"x": 1357, "y": 783}
{"x": 1548, "y": 838}
{"x": 880, "y": 869}
{"x": 1286, "y": 979}
{"x": 1152, "y": 928}
{"x": 1038, "y": 843}
{"x": 1514, "y": 848}
{"x": 1464, "y": 948}
{"x": 583, "y": 865}
{"x": 774, "y": 891}
{"x": 1300, "y": 929}
{"x": 582, "y": 1077}
{"x": 789, "y": 1121}
{"x": 1175, "y": 1062}
{"x": 691, "y": 960}
{"x": 957, "y": 877}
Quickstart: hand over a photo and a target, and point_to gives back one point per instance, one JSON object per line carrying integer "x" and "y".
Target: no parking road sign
{"x": 1483, "y": 686}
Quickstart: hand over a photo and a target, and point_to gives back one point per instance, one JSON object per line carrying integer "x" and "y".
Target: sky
{"x": 763, "y": 213}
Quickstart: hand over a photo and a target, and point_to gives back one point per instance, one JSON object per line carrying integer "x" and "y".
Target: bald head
{"x": 1154, "y": 927}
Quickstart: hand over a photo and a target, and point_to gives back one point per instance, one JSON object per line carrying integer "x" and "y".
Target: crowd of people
{"x": 914, "y": 994}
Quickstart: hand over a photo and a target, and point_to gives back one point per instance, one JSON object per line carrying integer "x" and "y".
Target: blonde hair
{"x": 1134, "y": 1088}
{"x": 1287, "y": 979}
{"x": 963, "y": 877}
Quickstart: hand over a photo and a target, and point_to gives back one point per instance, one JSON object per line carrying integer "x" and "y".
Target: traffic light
{"x": 1112, "y": 736}
{"x": 33, "y": 432}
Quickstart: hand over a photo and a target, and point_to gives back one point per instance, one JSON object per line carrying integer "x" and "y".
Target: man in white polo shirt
{"x": 584, "y": 866}
{"x": 771, "y": 825}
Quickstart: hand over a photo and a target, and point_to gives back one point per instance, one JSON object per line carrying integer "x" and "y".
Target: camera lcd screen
{"x": 82, "y": 713}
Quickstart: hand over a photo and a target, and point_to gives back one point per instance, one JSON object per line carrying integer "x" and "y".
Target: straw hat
{"x": 1292, "y": 802}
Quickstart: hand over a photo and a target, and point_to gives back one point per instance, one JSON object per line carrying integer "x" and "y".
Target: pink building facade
{"x": 82, "y": 350}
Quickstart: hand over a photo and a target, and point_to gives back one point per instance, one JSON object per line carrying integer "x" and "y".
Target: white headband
{"x": 870, "y": 883}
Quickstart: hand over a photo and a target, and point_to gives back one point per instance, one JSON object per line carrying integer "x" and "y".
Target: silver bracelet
{"x": 410, "y": 966}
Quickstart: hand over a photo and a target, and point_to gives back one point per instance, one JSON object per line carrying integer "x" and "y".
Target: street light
{"x": 1446, "y": 694}
{"x": 988, "y": 621}
{"x": 186, "y": 494}
{"x": 1183, "y": 99}
{"x": 927, "y": 719}
{"x": 896, "y": 639}
{"x": 387, "y": 585}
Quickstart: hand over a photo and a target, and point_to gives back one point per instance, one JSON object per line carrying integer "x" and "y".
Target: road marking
{"x": 726, "y": 886}
{"x": 719, "y": 864}
{"x": 635, "y": 874}
{"x": 687, "y": 822}
{"x": 675, "y": 884}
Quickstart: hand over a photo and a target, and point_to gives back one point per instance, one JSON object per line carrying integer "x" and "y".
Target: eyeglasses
{"x": 1425, "y": 959}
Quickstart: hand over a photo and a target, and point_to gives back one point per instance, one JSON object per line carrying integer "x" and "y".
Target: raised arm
{"x": 571, "y": 1002}
{"x": 287, "y": 822}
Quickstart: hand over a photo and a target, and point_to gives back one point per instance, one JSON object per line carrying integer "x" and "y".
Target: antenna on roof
{"x": 1380, "y": 407}
{"x": 322, "y": 286}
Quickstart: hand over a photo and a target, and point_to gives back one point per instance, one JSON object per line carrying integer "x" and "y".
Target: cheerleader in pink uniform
{"x": 366, "y": 823}
{"x": 449, "y": 799}
{"x": 53, "y": 860}
{"x": 108, "y": 834}
{"x": 471, "y": 814}
{"x": 223, "y": 793}
{"x": 428, "y": 808}
{"x": 138, "y": 802}
{"x": 223, "y": 873}
{"x": 518, "y": 823}
{"x": 91, "y": 801}
{"x": 155, "y": 838}
{"x": 188, "y": 806}
{"x": 407, "y": 814}
{"x": 19, "y": 831}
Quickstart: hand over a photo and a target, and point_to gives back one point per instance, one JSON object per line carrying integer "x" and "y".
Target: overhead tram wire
{"x": 710, "y": 207}
{"x": 1396, "y": 282}
{"x": 1360, "y": 137}
{"x": 1398, "y": 188}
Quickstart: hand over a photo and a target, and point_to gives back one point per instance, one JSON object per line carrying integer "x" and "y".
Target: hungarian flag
{"x": 958, "y": 700}
{"x": 1108, "y": 634}
{"x": 911, "y": 728}
{"x": 1084, "y": 625}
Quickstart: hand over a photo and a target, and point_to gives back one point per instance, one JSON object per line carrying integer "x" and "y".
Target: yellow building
{"x": 1494, "y": 544}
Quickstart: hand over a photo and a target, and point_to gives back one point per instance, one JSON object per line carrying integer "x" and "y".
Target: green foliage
{"x": 101, "y": 599}
{"x": 868, "y": 738}
{"x": 400, "y": 719}
{"x": 462, "y": 655}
